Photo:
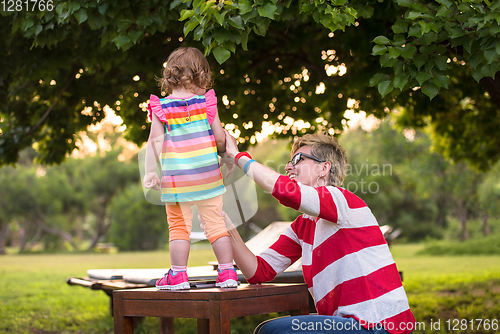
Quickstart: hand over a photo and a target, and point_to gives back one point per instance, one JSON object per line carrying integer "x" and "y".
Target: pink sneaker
{"x": 226, "y": 278}
{"x": 170, "y": 281}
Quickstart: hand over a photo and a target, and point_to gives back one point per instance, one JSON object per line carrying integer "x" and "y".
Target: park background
{"x": 409, "y": 88}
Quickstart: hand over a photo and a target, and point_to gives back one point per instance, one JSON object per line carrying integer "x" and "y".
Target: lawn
{"x": 454, "y": 292}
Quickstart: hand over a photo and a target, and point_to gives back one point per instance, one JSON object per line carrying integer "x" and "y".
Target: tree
{"x": 282, "y": 62}
{"x": 135, "y": 223}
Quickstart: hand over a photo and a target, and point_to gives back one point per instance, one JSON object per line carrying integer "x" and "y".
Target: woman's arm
{"x": 262, "y": 175}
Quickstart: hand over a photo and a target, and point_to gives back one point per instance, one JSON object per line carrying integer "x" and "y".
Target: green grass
{"x": 34, "y": 297}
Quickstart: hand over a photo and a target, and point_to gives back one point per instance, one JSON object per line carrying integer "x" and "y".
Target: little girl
{"x": 187, "y": 132}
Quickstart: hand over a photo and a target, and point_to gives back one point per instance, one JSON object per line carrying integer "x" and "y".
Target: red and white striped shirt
{"x": 346, "y": 261}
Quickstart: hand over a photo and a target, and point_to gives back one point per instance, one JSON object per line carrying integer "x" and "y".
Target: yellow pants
{"x": 180, "y": 217}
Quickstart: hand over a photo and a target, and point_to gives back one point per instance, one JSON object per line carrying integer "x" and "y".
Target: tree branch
{"x": 40, "y": 121}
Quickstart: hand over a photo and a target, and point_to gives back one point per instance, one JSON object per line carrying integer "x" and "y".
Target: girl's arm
{"x": 153, "y": 151}
{"x": 219, "y": 135}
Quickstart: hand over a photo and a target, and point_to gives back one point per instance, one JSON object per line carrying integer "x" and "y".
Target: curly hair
{"x": 326, "y": 148}
{"x": 187, "y": 68}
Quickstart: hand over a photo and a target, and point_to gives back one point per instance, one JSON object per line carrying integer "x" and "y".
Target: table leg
{"x": 203, "y": 326}
{"x": 122, "y": 324}
{"x": 166, "y": 325}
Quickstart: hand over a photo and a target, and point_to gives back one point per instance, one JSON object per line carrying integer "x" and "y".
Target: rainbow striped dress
{"x": 189, "y": 161}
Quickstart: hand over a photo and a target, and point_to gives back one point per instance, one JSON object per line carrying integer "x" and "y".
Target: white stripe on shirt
{"x": 351, "y": 266}
{"x": 377, "y": 309}
{"x": 277, "y": 261}
{"x": 309, "y": 200}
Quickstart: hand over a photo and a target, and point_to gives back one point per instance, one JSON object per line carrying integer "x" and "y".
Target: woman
{"x": 345, "y": 259}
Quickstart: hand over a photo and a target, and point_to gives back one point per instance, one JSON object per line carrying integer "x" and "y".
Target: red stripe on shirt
{"x": 327, "y": 207}
{"x": 264, "y": 272}
{"x": 353, "y": 201}
{"x": 287, "y": 192}
{"x": 352, "y": 239}
{"x": 400, "y": 322}
{"x": 360, "y": 289}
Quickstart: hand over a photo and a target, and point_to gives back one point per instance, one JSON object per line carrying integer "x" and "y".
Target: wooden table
{"x": 212, "y": 307}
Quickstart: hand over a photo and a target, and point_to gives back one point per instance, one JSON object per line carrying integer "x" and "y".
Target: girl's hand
{"x": 231, "y": 145}
{"x": 151, "y": 180}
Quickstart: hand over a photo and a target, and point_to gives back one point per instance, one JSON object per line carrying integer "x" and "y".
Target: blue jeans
{"x": 315, "y": 324}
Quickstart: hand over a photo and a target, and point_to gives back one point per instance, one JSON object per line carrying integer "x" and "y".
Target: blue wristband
{"x": 247, "y": 164}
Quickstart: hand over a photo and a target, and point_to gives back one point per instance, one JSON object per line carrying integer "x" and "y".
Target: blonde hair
{"x": 186, "y": 67}
{"x": 327, "y": 148}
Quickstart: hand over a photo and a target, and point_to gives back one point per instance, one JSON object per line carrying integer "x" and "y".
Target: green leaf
{"x": 38, "y": 29}
{"x": 423, "y": 77}
{"x": 381, "y": 40}
{"x": 414, "y": 15}
{"x": 121, "y": 40}
{"x": 379, "y": 50}
{"x": 236, "y": 22}
{"x": 220, "y": 35}
{"x": 186, "y": 14}
{"x": 426, "y": 27}
{"x": 376, "y": 78}
{"x": 221, "y": 54}
{"x": 405, "y": 3}
{"x": 198, "y": 33}
{"x": 244, "y": 40}
{"x": 442, "y": 11}
{"x": 415, "y": 30}
{"x": 476, "y": 59}
{"x": 408, "y": 51}
{"x": 190, "y": 25}
{"x": 441, "y": 81}
{"x": 26, "y": 24}
{"x": 400, "y": 81}
{"x": 400, "y": 27}
{"x": 477, "y": 74}
{"x": 135, "y": 35}
{"x": 419, "y": 60}
{"x": 267, "y": 10}
{"x": 387, "y": 61}
{"x": 124, "y": 24}
{"x": 103, "y": 8}
{"x": 489, "y": 70}
{"x": 394, "y": 52}
{"x": 491, "y": 55}
{"x": 144, "y": 21}
{"x": 456, "y": 32}
{"x": 446, "y": 3}
{"x": 429, "y": 89}
{"x": 441, "y": 62}
{"x": 385, "y": 87}
{"x": 494, "y": 29}
{"x": 245, "y": 7}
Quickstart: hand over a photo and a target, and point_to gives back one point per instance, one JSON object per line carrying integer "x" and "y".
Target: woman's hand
{"x": 227, "y": 220}
{"x": 231, "y": 145}
{"x": 225, "y": 160}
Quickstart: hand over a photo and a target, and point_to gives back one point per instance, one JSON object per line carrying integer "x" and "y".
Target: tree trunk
{"x": 462, "y": 215}
{"x": 4, "y": 233}
{"x": 485, "y": 227}
{"x": 103, "y": 225}
{"x": 39, "y": 220}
